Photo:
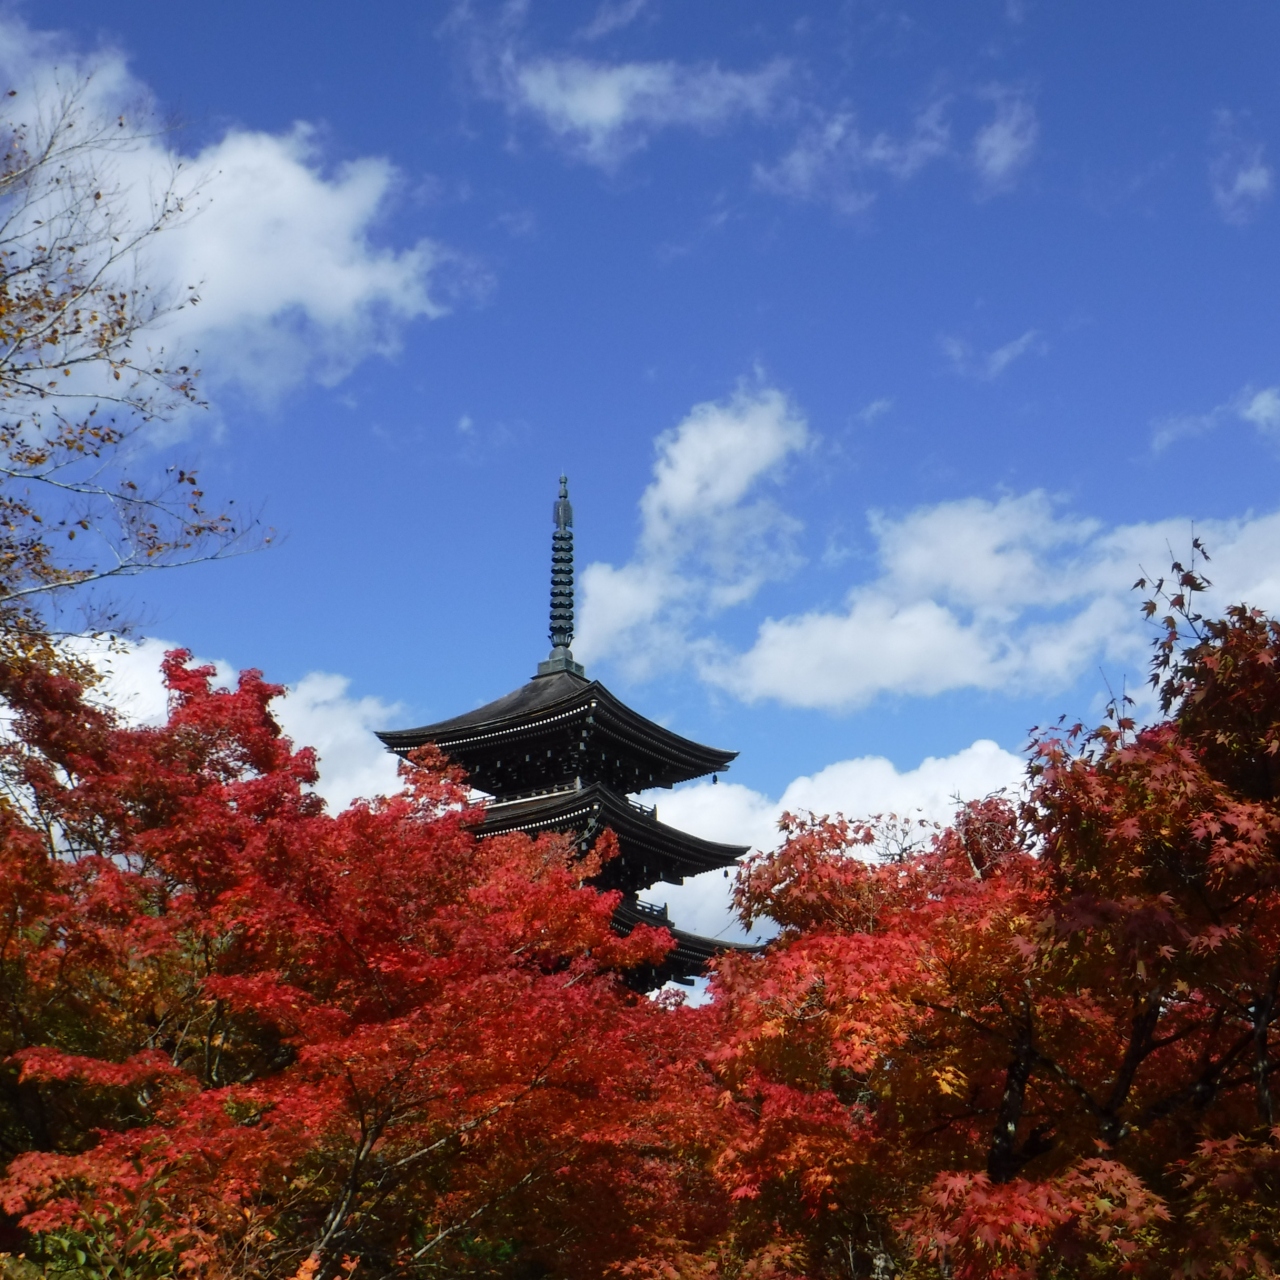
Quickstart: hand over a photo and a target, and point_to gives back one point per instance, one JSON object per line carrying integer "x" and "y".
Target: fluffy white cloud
{"x": 708, "y": 538}
{"x": 319, "y": 712}
{"x": 604, "y": 111}
{"x": 1010, "y": 595}
{"x": 1016, "y": 595}
{"x": 316, "y": 712}
{"x": 1239, "y": 176}
{"x": 291, "y": 283}
{"x": 1004, "y": 146}
{"x": 832, "y": 159}
{"x": 857, "y": 788}
{"x": 279, "y": 245}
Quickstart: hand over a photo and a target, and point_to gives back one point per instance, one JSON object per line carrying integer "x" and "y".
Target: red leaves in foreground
{"x": 241, "y": 1033}
{"x": 1045, "y": 1043}
{"x": 1093, "y": 1216}
{"x": 246, "y": 1038}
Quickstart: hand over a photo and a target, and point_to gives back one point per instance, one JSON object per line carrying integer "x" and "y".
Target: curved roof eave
{"x": 546, "y": 699}
{"x": 542, "y": 812}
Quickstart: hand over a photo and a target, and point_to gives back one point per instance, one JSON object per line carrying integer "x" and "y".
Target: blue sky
{"x": 882, "y": 344}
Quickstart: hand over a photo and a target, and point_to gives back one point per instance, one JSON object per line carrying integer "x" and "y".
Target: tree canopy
{"x": 240, "y": 1032}
{"x": 244, "y": 1036}
{"x": 1044, "y": 1045}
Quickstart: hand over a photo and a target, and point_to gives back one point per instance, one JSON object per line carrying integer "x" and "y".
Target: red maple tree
{"x": 245, "y": 1037}
{"x": 241, "y": 1036}
{"x": 1045, "y": 1043}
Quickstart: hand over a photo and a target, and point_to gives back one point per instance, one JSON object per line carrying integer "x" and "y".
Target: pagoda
{"x": 562, "y": 753}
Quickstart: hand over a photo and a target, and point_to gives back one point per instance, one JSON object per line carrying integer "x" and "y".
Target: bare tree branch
{"x": 79, "y": 382}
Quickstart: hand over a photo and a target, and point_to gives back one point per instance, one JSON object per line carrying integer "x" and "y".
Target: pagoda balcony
{"x": 687, "y": 960}
{"x": 649, "y": 850}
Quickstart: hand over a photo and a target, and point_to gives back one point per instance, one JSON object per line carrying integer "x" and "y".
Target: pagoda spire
{"x": 561, "y": 656}
{"x": 562, "y": 754}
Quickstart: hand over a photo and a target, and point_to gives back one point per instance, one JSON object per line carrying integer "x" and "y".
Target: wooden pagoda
{"x": 561, "y": 753}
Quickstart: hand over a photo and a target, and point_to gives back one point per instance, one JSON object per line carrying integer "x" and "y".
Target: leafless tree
{"x": 81, "y": 382}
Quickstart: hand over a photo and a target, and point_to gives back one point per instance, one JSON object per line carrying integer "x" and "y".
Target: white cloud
{"x": 876, "y": 409}
{"x": 1010, "y": 596}
{"x": 1002, "y": 357}
{"x": 291, "y": 283}
{"x": 316, "y": 712}
{"x": 605, "y": 111}
{"x": 1260, "y": 408}
{"x": 1003, "y": 147}
{"x": 319, "y": 712}
{"x": 611, "y": 16}
{"x": 832, "y": 160}
{"x": 988, "y": 366}
{"x": 1015, "y": 595}
{"x": 1239, "y": 176}
{"x": 280, "y": 246}
{"x": 835, "y": 162}
{"x": 708, "y": 540}
{"x": 857, "y": 788}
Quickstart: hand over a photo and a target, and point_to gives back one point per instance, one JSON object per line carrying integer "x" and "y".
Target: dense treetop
{"x": 243, "y": 1036}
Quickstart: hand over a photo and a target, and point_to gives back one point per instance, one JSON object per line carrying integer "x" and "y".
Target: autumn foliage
{"x": 245, "y": 1037}
{"x": 1044, "y": 1045}
{"x": 242, "y": 1036}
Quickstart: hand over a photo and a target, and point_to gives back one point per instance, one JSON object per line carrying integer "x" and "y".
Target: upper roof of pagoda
{"x": 561, "y": 728}
{"x": 558, "y": 727}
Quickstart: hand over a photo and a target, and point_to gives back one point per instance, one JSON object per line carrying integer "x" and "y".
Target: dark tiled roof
{"x": 648, "y": 845}
{"x": 540, "y": 694}
{"x": 559, "y": 706}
